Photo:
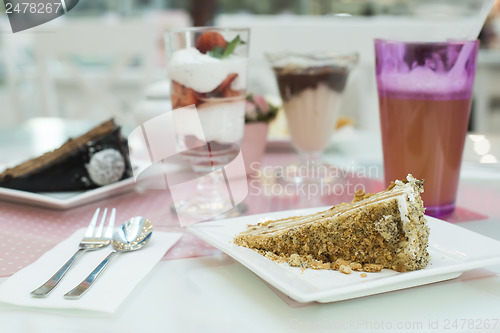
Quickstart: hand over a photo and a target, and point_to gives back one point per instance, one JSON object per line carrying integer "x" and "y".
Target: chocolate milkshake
{"x": 311, "y": 98}
{"x": 311, "y": 87}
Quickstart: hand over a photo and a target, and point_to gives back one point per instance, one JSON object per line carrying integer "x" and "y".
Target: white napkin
{"x": 118, "y": 280}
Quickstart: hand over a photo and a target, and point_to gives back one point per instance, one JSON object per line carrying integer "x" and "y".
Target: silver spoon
{"x": 130, "y": 236}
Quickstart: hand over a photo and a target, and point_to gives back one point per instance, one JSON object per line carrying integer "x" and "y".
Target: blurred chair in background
{"x": 17, "y": 74}
{"x": 89, "y": 69}
{"x": 163, "y": 20}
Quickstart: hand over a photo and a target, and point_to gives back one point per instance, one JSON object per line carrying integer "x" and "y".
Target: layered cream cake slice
{"x": 382, "y": 230}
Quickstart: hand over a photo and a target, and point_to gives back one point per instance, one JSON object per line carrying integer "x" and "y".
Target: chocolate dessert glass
{"x": 208, "y": 68}
{"x": 311, "y": 87}
{"x": 425, "y": 92}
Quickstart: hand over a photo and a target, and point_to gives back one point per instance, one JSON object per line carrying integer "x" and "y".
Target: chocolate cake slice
{"x": 96, "y": 158}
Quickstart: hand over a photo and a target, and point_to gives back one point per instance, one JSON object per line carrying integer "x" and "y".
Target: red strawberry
{"x": 231, "y": 93}
{"x": 182, "y": 96}
{"x": 209, "y": 40}
{"x": 226, "y": 84}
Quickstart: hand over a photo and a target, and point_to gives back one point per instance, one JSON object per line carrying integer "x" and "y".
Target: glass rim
{"x": 207, "y": 28}
{"x": 315, "y": 59}
{"x": 445, "y": 42}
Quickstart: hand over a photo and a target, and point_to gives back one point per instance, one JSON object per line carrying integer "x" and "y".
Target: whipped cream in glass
{"x": 203, "y": 73}
{"x": 208, "y": 68}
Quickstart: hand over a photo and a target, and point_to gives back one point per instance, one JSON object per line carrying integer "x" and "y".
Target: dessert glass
{"x": 208, "y": 68}
{"x": 425, "y": 92}
{"x": 311, "y": 87}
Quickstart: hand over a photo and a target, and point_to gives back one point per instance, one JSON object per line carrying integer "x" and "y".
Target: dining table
{"x": 196, "y": 287}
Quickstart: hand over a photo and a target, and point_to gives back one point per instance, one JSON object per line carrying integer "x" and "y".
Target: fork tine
{"x": 91, "y": 227}
{"x": 111, "y": 225}
{"x": 98, "y": 234}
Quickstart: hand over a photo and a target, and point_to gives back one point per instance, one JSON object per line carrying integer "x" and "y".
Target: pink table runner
{"x": 28, "y": 232}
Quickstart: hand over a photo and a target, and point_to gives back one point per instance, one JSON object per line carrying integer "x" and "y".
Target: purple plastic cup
{"x": 425, "y": 92}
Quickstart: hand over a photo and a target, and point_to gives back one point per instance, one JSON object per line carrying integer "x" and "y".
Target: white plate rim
{"x": 75, "y": 199}
{"x": 391, "y": 283}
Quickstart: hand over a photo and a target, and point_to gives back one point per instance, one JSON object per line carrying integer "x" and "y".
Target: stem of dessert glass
{"x": 309, "y": 161}
{"x": 210, "y": 188}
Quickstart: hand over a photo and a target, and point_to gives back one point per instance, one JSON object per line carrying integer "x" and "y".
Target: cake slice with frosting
{"x": 382, "y": 230}
{"x": 96, "y": 158}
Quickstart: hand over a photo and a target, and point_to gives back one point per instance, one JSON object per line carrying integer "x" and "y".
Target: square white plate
{"x": 453, "y": 251}
{"x": 66, "y": 200}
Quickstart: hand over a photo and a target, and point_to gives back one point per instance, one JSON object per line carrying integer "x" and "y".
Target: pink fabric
{"x": 28, "y": 232}
{"x": 464, "y": 215}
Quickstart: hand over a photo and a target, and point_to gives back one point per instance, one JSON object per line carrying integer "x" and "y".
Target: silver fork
{"x": 92, "y": 240}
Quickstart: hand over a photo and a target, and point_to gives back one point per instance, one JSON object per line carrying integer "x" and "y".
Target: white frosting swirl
{"x": 204, "y": 73}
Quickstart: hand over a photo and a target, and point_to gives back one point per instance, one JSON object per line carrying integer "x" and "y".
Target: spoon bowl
{"x": 132, "y": 235}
